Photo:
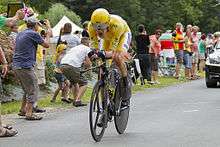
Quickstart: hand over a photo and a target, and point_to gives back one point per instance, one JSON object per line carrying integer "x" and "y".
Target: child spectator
{"x": 63, "y": 83}
{"x": 202, "y": 51}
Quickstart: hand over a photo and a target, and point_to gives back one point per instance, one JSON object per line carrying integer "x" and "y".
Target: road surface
{"x": 185, "y": 115}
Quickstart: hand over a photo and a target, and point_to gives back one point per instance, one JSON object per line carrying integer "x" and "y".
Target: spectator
{"x": 7, "y": 131}
{"x": 72, "y": 40}
{"x": 189, "y": 28}
{"x": 63, "y": 83}
{"x": 202, "y": 51}
{"x": 40, "y": 55}
{"x": 40, "y": 61}
{"x": 155, "y": 48}
{"x": 195, "y": 56}
{"x": 85, "y": 29}
{"x": 178, "y": 42}
{"x": 71, "y": 64}
{"x": 14, "y": 33}
{"x": 216, "y": 38}
{"x": 187, "y": 58}
{"x": 209, "y": 43}
{"x": 59, "y": 39}
{"x": 23, "y": 64}
{"x": 142, "y": 44}
{"x": 40, "y": 67}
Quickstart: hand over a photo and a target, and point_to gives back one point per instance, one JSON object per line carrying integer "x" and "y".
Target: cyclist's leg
{"x": 120, "y": 57}
{"x": 121, "y": 54}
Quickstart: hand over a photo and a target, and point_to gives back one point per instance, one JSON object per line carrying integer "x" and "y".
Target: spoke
{"x": 96, "y": 98}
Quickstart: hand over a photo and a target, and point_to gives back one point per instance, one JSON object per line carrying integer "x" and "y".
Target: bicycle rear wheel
{"x": 120, "y": 119}
{"x": 95, "y": 111}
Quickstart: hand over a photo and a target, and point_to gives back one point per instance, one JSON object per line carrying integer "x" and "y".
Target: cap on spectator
{"x": 31, "y": 19}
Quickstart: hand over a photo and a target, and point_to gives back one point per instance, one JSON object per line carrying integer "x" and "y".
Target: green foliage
{"x": 57, "y": 11}
{"x": 154, "y": 13}
{"x": 40, "y": 5}
{"x": 49, "y": 71}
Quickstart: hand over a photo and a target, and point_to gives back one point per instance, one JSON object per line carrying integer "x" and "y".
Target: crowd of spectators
{"x": 183, "y": 49}
{"x": 27, "y": 44}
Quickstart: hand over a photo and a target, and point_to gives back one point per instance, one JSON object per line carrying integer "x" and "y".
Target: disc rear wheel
{"x": 121, "y": 117}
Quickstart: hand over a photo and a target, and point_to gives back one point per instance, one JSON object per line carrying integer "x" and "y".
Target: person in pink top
{"x": 155, "y": 48}
{"x": 195, "y": 56}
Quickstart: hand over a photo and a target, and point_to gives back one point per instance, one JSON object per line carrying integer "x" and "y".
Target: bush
{"x": 49, "y": 71}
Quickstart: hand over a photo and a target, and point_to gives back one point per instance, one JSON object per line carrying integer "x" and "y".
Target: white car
{"x": 212, "y": 67}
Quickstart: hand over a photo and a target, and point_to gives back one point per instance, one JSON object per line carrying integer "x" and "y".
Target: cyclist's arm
{"x": 93, "y": 37}
{"x": 117, "y": 39}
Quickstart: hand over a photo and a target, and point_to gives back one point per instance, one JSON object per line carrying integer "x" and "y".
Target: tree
{"x": 57, "y": 11}
{"x": 40, "y": 5}
{"x": 209, "y": 22}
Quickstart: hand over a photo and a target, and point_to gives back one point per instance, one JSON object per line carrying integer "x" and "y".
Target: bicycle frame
{"x": 110, "y": 105}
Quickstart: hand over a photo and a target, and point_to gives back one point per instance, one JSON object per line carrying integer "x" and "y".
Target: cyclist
{"x": 112, "y": 34}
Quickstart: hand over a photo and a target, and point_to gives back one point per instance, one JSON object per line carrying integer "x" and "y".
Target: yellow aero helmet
{"x": 100, "y": 16}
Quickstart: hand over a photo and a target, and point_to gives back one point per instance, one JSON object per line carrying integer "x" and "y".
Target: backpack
{"x": 6, "y": 44}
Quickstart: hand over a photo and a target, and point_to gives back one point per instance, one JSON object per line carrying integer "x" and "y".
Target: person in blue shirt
{"x": 24, "y": 60}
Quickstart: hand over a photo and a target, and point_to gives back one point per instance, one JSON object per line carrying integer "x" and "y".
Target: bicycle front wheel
{"x": 96, "y": 111}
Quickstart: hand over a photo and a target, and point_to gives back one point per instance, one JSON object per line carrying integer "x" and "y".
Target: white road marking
{"x": 191, "y": 111}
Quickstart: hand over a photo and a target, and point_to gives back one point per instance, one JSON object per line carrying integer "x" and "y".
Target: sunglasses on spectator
{"x": 100, "y": 26}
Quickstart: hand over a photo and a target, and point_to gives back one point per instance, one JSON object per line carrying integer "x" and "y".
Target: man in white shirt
{"x": 71, "y": 64}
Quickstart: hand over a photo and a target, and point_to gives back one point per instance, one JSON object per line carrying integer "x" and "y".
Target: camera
{"x": 42, "y": 22}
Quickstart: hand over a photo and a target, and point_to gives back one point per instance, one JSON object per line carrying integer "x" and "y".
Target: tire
{"x": 209, "y": 82}
{"x": 95, "y": 110}
{"x": 121, "y": 119}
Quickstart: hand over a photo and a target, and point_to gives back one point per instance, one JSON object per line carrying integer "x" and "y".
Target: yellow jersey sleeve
{"x": 93, "y": 36}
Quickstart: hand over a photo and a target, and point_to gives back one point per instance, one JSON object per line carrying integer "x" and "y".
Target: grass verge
{"x": 13, "y": 107}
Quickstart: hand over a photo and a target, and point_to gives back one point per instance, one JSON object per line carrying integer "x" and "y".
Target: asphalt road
{"x": 186, "y": 115}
